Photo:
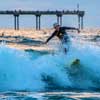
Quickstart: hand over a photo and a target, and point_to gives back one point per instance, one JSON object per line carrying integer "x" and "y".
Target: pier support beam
{"x": 79, "y": 26}
{"x": 38, "y": 22}
{"x": 80, "y": 22}
{"x": 82, "y": 26}
{"x": 16, "y": 22}
{"x": 59, "y": 19}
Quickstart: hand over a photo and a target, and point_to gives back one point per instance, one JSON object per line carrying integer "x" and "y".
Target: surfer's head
{"x": 56, "y": 26}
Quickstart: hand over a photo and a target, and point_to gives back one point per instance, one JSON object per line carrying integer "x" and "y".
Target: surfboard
{"x": 75, "y": 62}
{"x": 73, "y": 66}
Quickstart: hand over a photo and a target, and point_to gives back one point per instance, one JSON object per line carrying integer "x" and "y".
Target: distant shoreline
{"x": 31, "y": 39}
{"x": 33, "y": 29}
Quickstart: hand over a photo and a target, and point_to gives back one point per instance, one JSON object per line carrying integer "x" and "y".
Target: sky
{"x": 91, "y": 8}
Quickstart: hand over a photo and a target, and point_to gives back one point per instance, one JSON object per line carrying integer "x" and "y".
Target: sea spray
{"x": 57, "y": 67}
{"x": 17, "y": 71}
{"x": 51, "y": 66}
{"x": 50, "y": 71}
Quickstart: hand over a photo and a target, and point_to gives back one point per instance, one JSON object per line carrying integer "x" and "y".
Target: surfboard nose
{"x": 75, "y": 62}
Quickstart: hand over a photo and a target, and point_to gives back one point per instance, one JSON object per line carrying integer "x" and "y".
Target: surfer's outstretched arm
{"x": 71, "y": 28}
{"x": 53, "y": 34}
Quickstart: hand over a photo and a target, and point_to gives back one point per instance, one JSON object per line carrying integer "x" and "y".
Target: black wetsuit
{"x": 61, "y": 33}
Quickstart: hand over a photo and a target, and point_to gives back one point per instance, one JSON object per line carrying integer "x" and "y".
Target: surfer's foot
{"x": 65, "y": 50}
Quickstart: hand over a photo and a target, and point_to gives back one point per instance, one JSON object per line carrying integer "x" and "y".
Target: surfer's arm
{"x": 71, "y": 28}
{"x": 53, "y": 34}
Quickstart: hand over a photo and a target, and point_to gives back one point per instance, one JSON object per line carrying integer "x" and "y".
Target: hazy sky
{"x": 91, "y": 7}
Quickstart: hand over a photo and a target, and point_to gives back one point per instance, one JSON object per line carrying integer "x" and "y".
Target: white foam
{"x": 16, "y": 71}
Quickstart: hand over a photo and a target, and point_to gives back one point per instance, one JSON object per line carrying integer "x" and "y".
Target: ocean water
{"x": 36, "y": 75}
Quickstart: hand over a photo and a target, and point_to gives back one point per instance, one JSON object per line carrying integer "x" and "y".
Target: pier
{"x": 39, "y": 14}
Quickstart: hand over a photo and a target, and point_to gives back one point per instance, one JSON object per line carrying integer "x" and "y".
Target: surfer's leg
{"x": 65, "y": 43}
{"x": 65, "y": 47}
{"x": 65, "y": 50}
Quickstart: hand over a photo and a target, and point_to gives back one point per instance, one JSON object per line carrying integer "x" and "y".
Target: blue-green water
{"x": 34, "y": 75}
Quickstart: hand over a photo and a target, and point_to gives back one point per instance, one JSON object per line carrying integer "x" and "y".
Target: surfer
{"x": 60, "y": 32}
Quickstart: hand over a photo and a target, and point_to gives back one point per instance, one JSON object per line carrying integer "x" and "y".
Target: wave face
{"x": 17, "y": 71}
{"x": 51, "y": 71}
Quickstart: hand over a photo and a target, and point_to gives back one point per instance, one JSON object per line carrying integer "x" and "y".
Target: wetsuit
{"x": 61, "y": 34}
